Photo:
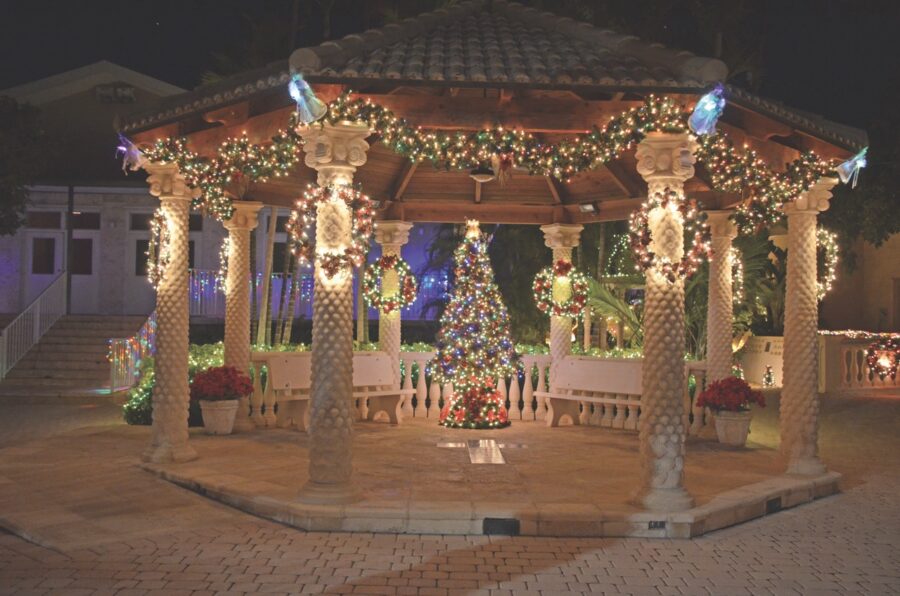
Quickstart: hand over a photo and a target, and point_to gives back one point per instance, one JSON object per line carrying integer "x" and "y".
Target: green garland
{"x": 733, "y": 171}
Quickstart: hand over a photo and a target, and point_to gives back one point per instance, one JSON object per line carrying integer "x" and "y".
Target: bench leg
{"x": 388, "y": 405}
{"x": 561, "y": 407}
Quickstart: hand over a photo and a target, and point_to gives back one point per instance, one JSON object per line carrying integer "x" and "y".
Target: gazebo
{"x": 584, "y": 125}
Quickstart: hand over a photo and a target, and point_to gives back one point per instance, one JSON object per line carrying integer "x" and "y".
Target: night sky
{"x": 838, "y": 58}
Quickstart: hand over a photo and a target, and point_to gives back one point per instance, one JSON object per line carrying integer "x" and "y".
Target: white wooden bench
{"x": 611, "y": 385}
{"x": 290, "y": 375}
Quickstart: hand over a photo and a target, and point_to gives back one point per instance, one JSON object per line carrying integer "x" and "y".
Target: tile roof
{"x": 492, "y": 43}
{"x": 505, "y": 42}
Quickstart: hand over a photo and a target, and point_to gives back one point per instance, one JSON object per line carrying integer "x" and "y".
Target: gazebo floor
{"x": 567, "y": 481}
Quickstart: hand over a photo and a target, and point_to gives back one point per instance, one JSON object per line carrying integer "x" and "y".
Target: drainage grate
{"x": 773, "y": 505}
{"x": 499, "y": 526}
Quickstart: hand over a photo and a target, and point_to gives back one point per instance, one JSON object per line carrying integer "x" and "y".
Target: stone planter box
{"x": 218, "y": 416}
{"x": 732, "y": 428}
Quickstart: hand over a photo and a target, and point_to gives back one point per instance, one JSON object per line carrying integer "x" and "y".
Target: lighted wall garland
{"x": 562, "y": 271}
{"x": 883, "y": 356}
{"x": 695, "y": 227}
{"x": 158, "y": 248}
{"x": 827, "y": 241}
{"x": 304, "y": 214}
{"x": 372, "y": 280}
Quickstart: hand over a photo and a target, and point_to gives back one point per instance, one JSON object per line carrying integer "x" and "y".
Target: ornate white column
{"x": 799, "y": 414}
{"x": 719, "y": 308}
{"x": 171, "y": 394}
{"x": 392, "y": 235}
{"x": 237, "y": 297}
{"x": 561, "y": 238}
{"x": 334, "y": 151}
{"x": 665, "y": 160}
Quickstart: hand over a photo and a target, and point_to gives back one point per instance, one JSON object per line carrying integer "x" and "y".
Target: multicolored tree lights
{"x": 474, "y": 346}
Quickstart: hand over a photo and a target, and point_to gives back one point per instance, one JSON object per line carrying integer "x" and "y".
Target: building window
{"x": 86, "y": 221}
{"x": 140, "y": 222}
{"x": 140, "y": 257}
{"x": 281, "y": 224}
{"x": 82, "y": 256}
{"x": 195, "y": 222}
{"x": 279, "y": 257}
{"x": 43, "y": 220}
{"x": 43, "y": 256}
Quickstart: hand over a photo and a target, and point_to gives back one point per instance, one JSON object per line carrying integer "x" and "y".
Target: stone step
{"x": 50, "y": 356}
{"x": 78, "y": 374}
{"x": 36, "y": 363}
{"x": 51, "y": 386}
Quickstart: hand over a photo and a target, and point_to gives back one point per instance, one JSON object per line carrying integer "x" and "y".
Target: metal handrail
{"x": 23, "y": 332}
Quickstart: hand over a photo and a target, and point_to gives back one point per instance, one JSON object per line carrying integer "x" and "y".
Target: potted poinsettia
{"x": 218, "y": 390}
{"x": 730, "y": 398}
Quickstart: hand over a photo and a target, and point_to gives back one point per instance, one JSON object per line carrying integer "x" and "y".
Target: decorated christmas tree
{"x": 473, "y": 345}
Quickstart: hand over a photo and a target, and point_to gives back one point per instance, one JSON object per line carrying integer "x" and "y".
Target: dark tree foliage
{"x": 23, "y": 148}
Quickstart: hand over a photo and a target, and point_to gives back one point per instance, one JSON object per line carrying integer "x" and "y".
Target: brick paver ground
{"x": 846, "y": 544}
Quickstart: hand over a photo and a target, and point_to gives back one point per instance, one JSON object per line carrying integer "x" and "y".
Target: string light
{"x": 159, "y": 251}
{"x": 695, "y": 227}
{"x": 374, "y": 276}
{"x": 882, "y": 358}
{"x": 562, "y": 272}
{"x": 224, "y": 254}
{"x": 304, "y": 214}
{"x": 827, "y": 242}
{"x": 737, "y": 275}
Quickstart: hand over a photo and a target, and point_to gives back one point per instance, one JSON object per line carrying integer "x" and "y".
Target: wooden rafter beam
{"x": 628, "y": 182}
{"x": 403, "y": 179}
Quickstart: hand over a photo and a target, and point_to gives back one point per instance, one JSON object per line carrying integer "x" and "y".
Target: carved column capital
{"x": 245, "y": 216}
{"x": 720, "y": 224}
{"x": 814, "y": 200}
{"x": 562, "y": 236}
{"x": 335, "y": 150}
{"x": 666, "y": 159}
{"x": 167, "y": 182}
{"x": 392, "y": 233}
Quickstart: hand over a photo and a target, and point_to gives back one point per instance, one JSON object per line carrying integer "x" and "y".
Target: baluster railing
{"x": 127, "y": 353}
{"x": 31, "y": 324}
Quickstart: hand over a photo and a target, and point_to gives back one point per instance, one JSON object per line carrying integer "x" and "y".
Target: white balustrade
{"x": 856, "y": 373}
{"x": 32, "y": 323}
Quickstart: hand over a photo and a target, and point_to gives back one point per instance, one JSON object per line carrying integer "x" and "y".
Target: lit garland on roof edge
{"x": 743, "y": 173}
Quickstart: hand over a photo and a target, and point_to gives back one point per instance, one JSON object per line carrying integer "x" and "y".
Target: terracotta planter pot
{"x": 732, "y": 428}
{"x": 218, "y": 416}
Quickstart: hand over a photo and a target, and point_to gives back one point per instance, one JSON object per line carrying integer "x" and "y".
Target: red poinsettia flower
{"x": 220, "y": 383}
{"x": 730, "y": 394}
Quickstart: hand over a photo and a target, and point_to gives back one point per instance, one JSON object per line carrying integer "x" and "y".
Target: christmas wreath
{"x": 882, "y": 357}
{"x": 694, "y": 225}
{"x": 372, "y": 281}
{"x": 158, "y": 248}
{"x": 304, "y": 214}
{"x": 543, "y": 290}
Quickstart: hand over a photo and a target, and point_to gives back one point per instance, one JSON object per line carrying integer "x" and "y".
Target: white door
{"x": 44, "y": 254}
{"x": 86, "y": 271}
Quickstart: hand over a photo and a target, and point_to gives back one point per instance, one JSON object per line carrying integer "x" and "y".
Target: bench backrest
{"x": 599, "y": 375}
{"x": 293, "y": 370}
